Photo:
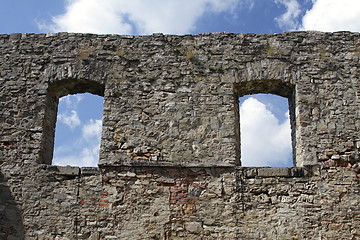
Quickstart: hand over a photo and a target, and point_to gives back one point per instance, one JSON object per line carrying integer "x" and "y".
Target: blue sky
{"x": 77, "y": 115}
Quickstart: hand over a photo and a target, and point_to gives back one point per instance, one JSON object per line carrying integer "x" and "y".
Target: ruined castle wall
{"x": 193, "y": 203}
{"x": 170, "y": 149}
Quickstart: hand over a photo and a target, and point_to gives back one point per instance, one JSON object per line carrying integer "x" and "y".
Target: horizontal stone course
{"x": 170, "y": 159}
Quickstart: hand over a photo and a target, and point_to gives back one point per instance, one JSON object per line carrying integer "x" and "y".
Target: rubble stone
{"x": 170, "y": 160}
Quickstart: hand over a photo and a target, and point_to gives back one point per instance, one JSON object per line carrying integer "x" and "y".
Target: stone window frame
{"x": 275, "y": 87}
{"x": 55, "y": 91}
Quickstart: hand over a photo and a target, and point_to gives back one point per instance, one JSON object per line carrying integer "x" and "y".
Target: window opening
{"x": 78, "y": 130}
{"x": 265, "y": 133}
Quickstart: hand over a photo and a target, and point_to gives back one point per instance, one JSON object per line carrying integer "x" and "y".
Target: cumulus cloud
{"x": 69, "y": 115}
{"x": 333, "y": 15}
{"x": 92, "y": 129}
{"x": 85, "y": 151}
{"x": 264, "y": 140}
{"x": 67, "y": 160}
{"x": 136, "y": 16}
{"x": 89, "y": 16}
{"x": 288, "y": 20}
{"x": 88, "y": 157}
{"x": 71, "y": 119}
{"x": 71, "y": 101}
{"x": 79, "y": 146}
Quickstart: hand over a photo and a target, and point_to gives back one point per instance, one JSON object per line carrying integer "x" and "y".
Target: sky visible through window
{"x": 265, "y": 131}
{"x": 78, "y": 130}
{"x": 142, "y": 17}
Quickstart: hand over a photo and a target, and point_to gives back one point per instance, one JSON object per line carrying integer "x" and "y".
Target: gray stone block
{"x": 89, "y": 170}
{"x": 68, "y": 170}
{"x": 170, "y": 142}
{"x": 274, "y": 172}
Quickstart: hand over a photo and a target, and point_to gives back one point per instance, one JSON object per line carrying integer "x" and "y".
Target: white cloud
{"x": 92, "y": 129}
{"x": 69, "y": 115}
{"x": 86, "y": 151}
{"x": 91, "y": 134}
{"x": 333, "y": 15}
{"x": 136, "y": 16}
{"x": 70, "y": 160}
{"x": 71, "y": 119}
{"x": 264, "y": 140}
{"x": 71, "y": 101}
{"x": 89, "y": 156}
{"x": 288, "y": 20}
{"x": 88, "y": 16}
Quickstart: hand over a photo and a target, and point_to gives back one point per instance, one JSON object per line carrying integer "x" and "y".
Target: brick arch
{"x": 55, "y": 91}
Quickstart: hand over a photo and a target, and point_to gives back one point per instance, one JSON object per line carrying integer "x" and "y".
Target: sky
{"x": 78, "y": 127}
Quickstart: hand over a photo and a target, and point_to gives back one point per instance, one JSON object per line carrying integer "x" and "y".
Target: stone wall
{"x": 170, "y": 161}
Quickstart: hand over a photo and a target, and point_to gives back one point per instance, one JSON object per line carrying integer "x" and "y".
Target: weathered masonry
{"x": 170, "y": 160}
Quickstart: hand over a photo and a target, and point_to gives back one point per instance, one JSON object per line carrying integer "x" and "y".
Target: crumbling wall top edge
{"x": 18, "y": 36}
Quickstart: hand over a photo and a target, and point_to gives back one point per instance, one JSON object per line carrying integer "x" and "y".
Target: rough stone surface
{"x": 170, "y": 150}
